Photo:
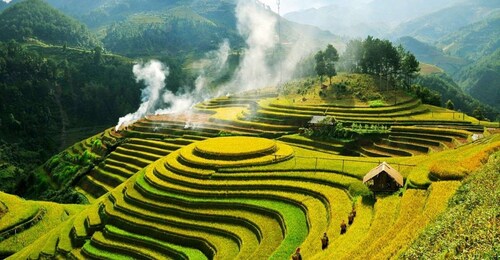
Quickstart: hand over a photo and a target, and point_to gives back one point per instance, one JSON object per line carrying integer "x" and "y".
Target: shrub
{"x": 359, "y": 189}
{"x": 376, "y": 103}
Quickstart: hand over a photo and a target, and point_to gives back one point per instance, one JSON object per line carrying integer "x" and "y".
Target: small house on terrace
{"x": 383, "y": 178}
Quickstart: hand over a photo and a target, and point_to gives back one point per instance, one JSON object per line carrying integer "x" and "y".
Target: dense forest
{"x": 36, "y": 19}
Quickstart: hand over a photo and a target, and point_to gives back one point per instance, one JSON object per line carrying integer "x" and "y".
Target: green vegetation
{"x": 467, "y": 229}
{"x": 479, "y": 79}
{"x": 379, "y": 57}
{"x": 37, "y": 20}
{"x": 325, "y": 62}
{"x": 245, "y": 176}
{"x": 449, "y": 90}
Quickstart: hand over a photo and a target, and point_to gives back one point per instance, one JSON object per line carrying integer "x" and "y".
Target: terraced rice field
{"x": 22, "y": 222}
{"x": 201, "y": 202}
{"x": 233, "y": 179}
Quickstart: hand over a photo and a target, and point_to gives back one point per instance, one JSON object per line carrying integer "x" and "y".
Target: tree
{"x": 97, "y": 55}
{"x": 352, "y": 56}
{"x": 409, "y": 66}
{"x": 450, "y": 105}
{"x": 320, "y": 64}
{"x": 478, "y": 113}
{"x": 330, "y": 56}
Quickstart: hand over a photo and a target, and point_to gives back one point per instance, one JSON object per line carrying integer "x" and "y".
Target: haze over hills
{"x": 359, "y": 19}
{"x": 433, "y": 26}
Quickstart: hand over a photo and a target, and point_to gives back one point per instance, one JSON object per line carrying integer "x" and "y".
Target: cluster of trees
{"x": 370, "y": 56}
{"x": 325, "y": 62}
{"x": 381, "y": 58}
{"x": 38, "y": 91}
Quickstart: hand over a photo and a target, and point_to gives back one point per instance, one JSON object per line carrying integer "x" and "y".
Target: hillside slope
{"x": 467, "y": 228}
{"x": 474, "y": 41}
{"x": 37, "y": 19}
{"x": 433, "y": 55}
{"x": 481, "y": 79}
{"x": 433, "y": 26}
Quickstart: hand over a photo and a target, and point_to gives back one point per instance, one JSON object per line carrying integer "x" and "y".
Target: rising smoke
{"x": 263, "y": 63}
{"x": 212, "y": 66}
{"x": 269, "y": 58}
{"x": 153, "y": 74}
{"x": 258, "y": 27}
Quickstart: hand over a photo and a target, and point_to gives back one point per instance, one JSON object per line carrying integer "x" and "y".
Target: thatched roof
{"x": 384, "y": 167}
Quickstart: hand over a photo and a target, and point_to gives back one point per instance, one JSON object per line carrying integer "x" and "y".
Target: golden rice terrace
{"x": 250, "y": 177}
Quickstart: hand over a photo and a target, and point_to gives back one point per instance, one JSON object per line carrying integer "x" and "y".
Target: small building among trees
{"x": 384, "y": 178}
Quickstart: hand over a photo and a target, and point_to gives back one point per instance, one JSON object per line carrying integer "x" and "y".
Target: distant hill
{"x": 482, "y": 79}
{"x": 174, "y": 27}
{"x": 431, "y": 27}
{"x": 474, "y": 41}
{"x": 176, "y": 30}
{"x": 37, "y": 19}
{"x": 359, "y": 19}
{"x": 450, "y": 90}
{"x": 432, "y": 55}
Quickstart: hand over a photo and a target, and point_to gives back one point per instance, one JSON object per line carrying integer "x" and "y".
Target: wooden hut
{"x": 383, "y": 178}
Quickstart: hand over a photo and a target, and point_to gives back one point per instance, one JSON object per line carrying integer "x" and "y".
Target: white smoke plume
{"x": 263, "y": 63}
{"x": 212, "y": 66}
{"x": 153, "y": 74}
{"x": 258, "y": 26}
{"x": 269, "y": 58}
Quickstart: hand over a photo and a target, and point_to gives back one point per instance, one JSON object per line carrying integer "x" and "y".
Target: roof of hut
{"x": 384, "y": 167}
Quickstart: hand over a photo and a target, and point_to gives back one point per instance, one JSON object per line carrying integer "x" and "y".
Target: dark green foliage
{"x": 449, "y": 105}
{"x": 16, "y": 163}
{"x": 174, "y": 34}
{"x": 481, "y": 79}
{"x": 329, "y": 130}
{"x": 320, "y": 65}
{"x": 380, "y": 58}
{"x": 331, "y": 56}
{"x": 426, "y": 95}
{"x": 476, "y": 40}
{"x": 432, "y": 55}
{"x": 359, "y": 189}
{"x": 41, "y": 85}
{"x": 38, "y": 20}
{"x": 409, "y": 66}
{"x": 449, "y": 90}
{"x": 467, "y": 230}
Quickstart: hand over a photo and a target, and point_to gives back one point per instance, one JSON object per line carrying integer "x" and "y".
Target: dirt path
{"x": 64, "y": 119}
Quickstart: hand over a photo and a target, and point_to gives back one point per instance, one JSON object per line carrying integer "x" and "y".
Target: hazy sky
{"x": 287, "y": 6}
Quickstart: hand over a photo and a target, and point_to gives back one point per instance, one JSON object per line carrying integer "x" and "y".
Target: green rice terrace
{"x": 256, "y": 175}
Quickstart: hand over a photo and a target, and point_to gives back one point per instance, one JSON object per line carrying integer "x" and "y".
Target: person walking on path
{"x": 324, "y": 241}
{"x": 297, "y": 255}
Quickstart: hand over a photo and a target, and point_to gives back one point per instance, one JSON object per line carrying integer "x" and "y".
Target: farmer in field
{"x": 350, "y": 218}
{"x": 324, "y": 241}
{"x": 343, "y": 227}
{"x": 297, "y": 255}
{"x": 353, "y": 211}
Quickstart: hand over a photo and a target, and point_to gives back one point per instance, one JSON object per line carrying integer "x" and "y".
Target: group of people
{"x": 350, "y": 220}
{"x": 324, "y": 239}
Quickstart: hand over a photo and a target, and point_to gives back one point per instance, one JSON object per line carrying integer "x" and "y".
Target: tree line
{"x": 371, "y": 56}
